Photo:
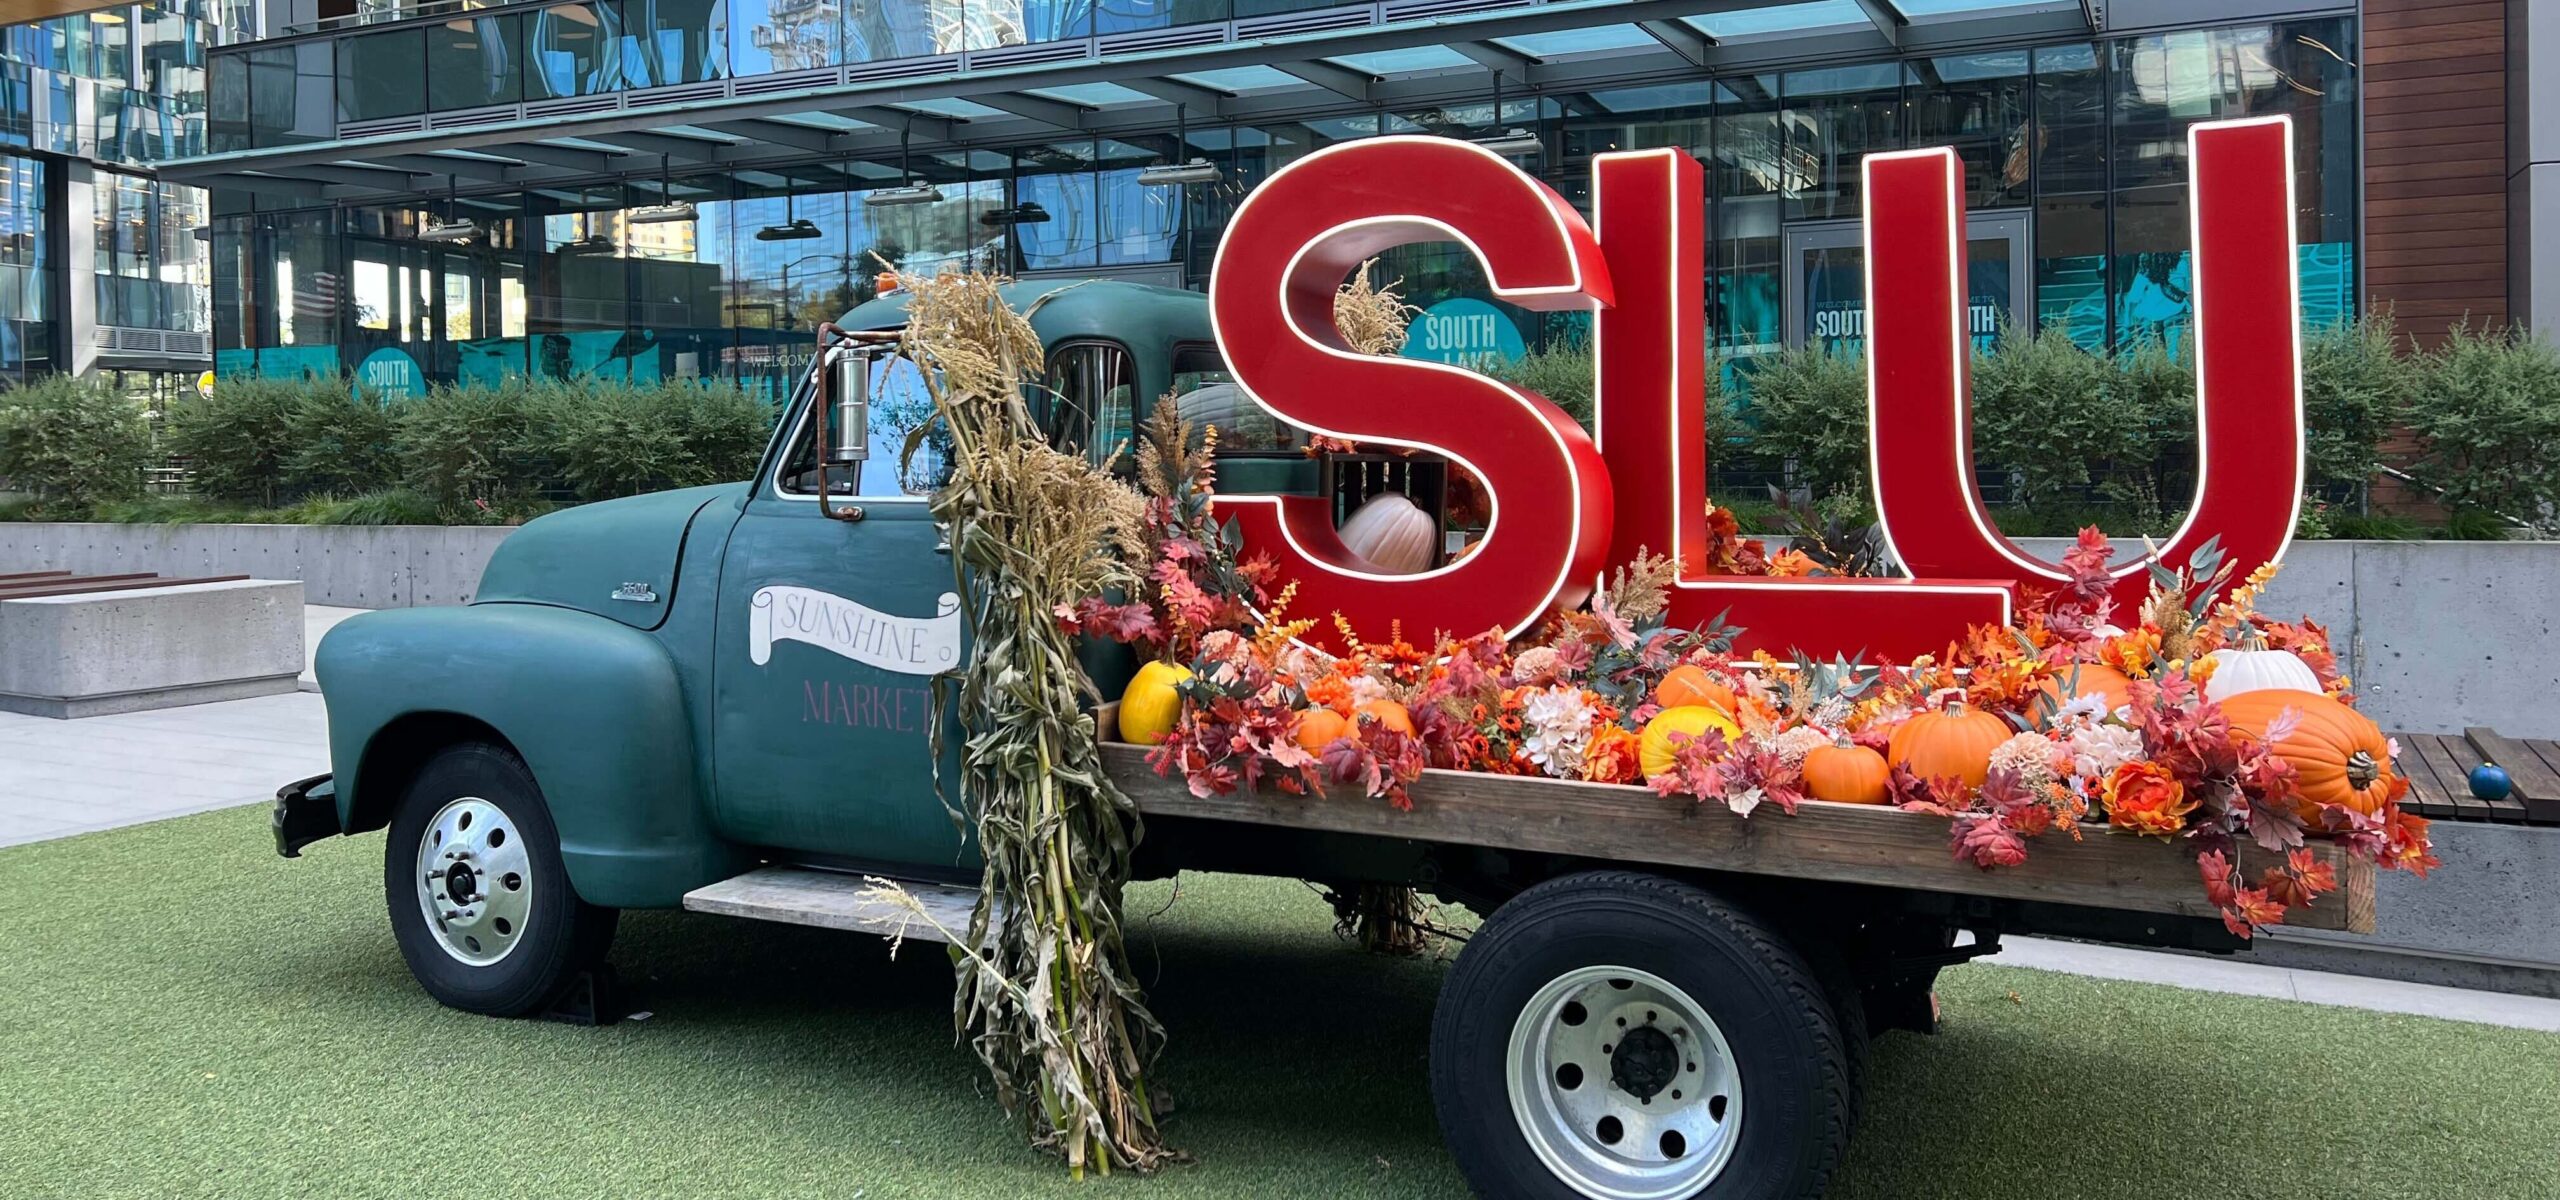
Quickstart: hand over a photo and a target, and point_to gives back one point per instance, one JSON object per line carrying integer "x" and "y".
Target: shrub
{"x": 1808, "y": 411}
{"x": 471, "y": 450}
{"x": 2486, "y": 412}
{"x": 76, "y": 440}
{"x": 1560, "y": 372}
{"x": 236, "y": 439}
{"x": 622, "y": 441}
{"x": 339, "y": 441}
{"x": 2353, "y": 383}
{"x": 2044, "y": 413}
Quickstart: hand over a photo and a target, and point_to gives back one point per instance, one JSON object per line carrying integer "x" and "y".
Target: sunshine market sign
{"x": 1569, "y": 505}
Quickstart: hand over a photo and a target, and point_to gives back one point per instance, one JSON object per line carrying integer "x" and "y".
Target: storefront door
{"x": 1826, "y": 280}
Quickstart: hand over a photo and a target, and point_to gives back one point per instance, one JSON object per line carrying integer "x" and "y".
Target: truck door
{"x": 829, "y": 635}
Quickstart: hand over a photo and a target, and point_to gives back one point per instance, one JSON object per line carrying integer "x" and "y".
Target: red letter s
{"x": 1289, "y": 247}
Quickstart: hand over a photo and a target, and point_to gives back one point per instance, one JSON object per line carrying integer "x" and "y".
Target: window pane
{"x": 884, "y": 29}
{"x": 1122, "y": 16}
{"x": 381, "y": 76}
{"x": 1138, "y": 223}
{"x": 784, "y": 35}
{"x": 1069, "y": 238}
{"x": 1835, "y": 118}
{"x": 475, "y": 61}
{"x": 574, "y": 50}
{"x": 1977, "y": 103}
{"x": 228, "y": 98}
{"x": 2071, "y": 206}
{"x": 674, "y": 41}
{"x": 292, "y": 94}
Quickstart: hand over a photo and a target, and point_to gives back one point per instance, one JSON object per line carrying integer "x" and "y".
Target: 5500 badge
{"x": 1567, "y": 505}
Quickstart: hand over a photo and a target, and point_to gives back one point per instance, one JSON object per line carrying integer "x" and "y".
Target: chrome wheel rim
{"x": 475, "y": 881}
{"x": 1623, "y": 1086}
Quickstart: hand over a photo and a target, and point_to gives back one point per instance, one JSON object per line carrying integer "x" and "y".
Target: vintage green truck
{"x": 719, "y": 699}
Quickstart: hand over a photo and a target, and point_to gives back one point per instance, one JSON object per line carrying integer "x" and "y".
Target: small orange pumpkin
{"x": 1321, "y": 727}
{"x": 1846, "y": 772}
{"x": 2091, "y": 679}
{"x": 2338, "y": 754}
{"x": 1951, "y": 742}
{"x": 1689, "y": 684}
{"x": 1390, "y": 714}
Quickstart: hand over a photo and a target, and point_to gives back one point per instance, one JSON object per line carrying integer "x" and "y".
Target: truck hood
{"x": 615, "y": 558}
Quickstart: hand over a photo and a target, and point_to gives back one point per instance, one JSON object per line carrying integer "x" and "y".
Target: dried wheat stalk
{"x": 1046, "y": 995}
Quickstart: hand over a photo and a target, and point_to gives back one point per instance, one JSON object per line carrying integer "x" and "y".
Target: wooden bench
{"x": 2439, "y": 769}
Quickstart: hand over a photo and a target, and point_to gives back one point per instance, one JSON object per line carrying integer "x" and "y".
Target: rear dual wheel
{"x": 1619, "y": 1036}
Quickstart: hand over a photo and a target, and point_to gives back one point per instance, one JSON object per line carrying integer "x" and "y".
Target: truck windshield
{"x": 899, "y": 405}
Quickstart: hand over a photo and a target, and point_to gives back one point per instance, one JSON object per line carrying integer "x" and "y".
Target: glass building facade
{"x": 89, "y": 104}
{"x": 2075, "y": 154}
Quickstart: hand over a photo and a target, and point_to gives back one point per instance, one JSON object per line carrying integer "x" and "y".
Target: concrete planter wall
{"x": 2438, "y": 635}
{"x": 352, "y": 566}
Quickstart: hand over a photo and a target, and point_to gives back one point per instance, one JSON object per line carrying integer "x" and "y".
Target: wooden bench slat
{"x": 2427, "y": 795}
{"x": 147, "y": 581}
{"x": 2451, "y": 756}
{"x": 2537, "y": 785}
{"x": 10, "y": 578}
{"x": 12, "y": 589}
{"x": 2549, "y": 753}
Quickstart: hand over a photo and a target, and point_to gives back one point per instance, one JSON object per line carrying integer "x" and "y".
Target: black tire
{"x": 1769, "y": 1006}
{"x": 561, "y": 935}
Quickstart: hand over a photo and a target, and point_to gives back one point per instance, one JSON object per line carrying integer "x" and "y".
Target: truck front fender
{"x": 594, "y": 707}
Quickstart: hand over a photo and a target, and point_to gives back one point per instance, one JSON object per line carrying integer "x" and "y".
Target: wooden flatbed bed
{"x": 1844, "y": 843}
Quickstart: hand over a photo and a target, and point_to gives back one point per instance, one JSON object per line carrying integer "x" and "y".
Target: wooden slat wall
{"x": 2435, "y": 121}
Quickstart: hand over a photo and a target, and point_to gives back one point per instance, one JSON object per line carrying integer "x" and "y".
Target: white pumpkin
{"x": 1392, "y": 533}
{"x": 2238, "y": 671}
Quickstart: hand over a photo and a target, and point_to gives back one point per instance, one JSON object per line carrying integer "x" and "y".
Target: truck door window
{"x": 899, "y": 405}
{"x": 1089, "y": 401}
{"x": 1207, "y": 395}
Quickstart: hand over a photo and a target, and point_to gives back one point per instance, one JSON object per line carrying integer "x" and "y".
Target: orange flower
{"x": 2146, "y": 797}
{"x": 1792, "y": 564}
{"x": 1330, "y": 691}
{"x": 1612, "y": 757}
{"x": 2132, "y": 652}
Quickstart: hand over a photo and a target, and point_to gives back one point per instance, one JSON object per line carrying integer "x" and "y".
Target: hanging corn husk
{"x": 1045, "y": 995}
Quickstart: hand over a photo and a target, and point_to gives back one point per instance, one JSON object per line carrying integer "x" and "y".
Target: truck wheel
{"x": 479, "y": 901}
{"x": 1620, "y": 1036}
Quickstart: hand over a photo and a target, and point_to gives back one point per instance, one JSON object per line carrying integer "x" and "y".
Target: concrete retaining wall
{"x": 351, "y": 566}
{"x": 2437, "y": 635}
{"x": 2475, "y": 922}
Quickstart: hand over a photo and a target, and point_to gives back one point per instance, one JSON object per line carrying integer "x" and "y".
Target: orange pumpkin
{"x": 1952, "y": 742}
{"x": 2338, "y": 754}
{"x": 1321, "y": 727}
{"x": 1389, "y": 714}
{"x": 2092, "y": 679}
{"x": 1846, "y": 773}
{"x": 1689, "y": 684}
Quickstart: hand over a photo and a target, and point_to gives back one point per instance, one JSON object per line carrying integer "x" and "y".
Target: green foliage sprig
{"x": 76, "y": 441}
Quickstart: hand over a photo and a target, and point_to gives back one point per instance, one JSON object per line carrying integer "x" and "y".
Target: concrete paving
{"x": 59, "y": 778}
{"x": 318, "y": 619}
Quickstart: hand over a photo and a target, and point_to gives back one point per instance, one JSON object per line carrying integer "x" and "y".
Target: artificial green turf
{"x": 184, "y": 1014}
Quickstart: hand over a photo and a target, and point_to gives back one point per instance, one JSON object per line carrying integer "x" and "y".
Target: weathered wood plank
{"x": 2449, "y": 767}
{"x": 2549, "y": 753}
{"x": 1846, "y": 843}
{"x": 2426, "y": 792}
{"x": 24, "y": 575}
{"x": 835, "y": 900}
{"x": 2537, "y": 785}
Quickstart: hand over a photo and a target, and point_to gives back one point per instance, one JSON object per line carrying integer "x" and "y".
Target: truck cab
{"x": 651, "y": 695}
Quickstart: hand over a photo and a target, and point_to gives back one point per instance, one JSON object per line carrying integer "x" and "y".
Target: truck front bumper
{"x": 306, "y": 811}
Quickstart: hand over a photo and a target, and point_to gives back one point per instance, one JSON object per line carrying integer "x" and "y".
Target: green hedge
{"x": 465, "y": 453}
{"x": 73, "y": 441}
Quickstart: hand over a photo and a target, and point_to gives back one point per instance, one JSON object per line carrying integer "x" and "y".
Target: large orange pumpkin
{"x": 2338, "y": 754}
{"x": 1389, "y": 714}
{"x": 1689, "y": 684}
{"x": 1952, "y": 742}
{"x": 1321, "y": 727}
{"x": 1847, "y": 773}
{"x": 2092, "y": 679}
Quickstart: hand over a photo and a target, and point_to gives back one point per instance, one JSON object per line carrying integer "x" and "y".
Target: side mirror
{"x": 849, "y": 395}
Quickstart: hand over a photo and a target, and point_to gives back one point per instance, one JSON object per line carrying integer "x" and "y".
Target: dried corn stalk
{"x": 1046, "y": 995}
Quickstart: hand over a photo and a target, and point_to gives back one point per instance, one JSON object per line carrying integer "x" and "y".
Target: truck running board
{"x": 837, "y": 900}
